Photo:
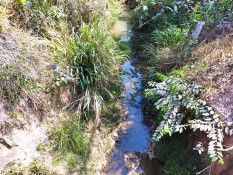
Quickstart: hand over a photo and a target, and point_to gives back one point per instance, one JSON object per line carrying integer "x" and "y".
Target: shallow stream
{"x": 135, "y": 139}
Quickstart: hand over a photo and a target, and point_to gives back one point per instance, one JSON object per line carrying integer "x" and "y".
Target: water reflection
{"x": 136, "y": 140}
{"x": 138, "y": 135}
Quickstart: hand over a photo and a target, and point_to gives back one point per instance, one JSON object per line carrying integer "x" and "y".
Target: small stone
{"x": 131, "y": 161}
{"x": 151, "y": 155}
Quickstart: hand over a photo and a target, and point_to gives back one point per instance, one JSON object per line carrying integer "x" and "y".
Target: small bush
{"x": 69, "y": 138}
{"x": 158, "y": 17}
{"x": 211, "y": 12}
{"x": 168, "y": 47}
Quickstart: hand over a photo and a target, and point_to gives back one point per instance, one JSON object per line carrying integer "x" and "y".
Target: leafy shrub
{"x": 155, "y": 16}
{"x": 169, "y": 48}
{"x": 160, "y": 14}
{"x": 182, "y": 13}
{"x": 69, "y": 138}
{"x": 166, "y": 24}
{"x": 211, "y": 11}
{"x": 177, "y": 98}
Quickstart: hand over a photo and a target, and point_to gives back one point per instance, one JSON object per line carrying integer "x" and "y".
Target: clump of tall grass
{"x": 90, "y": 58}
{"x": 69, "y": 138}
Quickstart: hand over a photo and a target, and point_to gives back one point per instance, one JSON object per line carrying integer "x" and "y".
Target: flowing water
{"x": 135, "y": 140}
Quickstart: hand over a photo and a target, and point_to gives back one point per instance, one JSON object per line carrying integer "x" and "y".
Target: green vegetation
{"x": 13, "y": 79}
{"x": 170, "y": 37}
{"x": 88, "y": 54}
{"x": 69, "y": 138}
{"x": 71, "y": 144}
{"x": 47, "y": 16}
{"x": 33, "y": 169}
{"x": 178, "y": 155}
{"x": 37, "y": 169}
{"x": 85, "y": 58}
{"x": 177, "y": 99}
{"x": 163, "y": 32}
{"x": 85, "y": 50}
{"x": 111, "y": 117}
{"x": 91, "y": 57}
{"x": 174, "y": 20}
{"x": 11, "y": 82}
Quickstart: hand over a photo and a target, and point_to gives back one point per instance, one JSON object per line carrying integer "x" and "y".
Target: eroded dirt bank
{"x": 216, "y": 59}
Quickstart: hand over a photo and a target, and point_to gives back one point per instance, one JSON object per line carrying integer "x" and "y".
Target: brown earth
{"x": 214, "y": 71}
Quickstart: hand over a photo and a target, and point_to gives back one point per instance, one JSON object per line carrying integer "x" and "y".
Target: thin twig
{"x": 203, "y": 170}
{"x": 210, "y": 167}
{"x": 175, "y": 62}
{"x": 228, "y": 149}
{"x": 75, "y": 102}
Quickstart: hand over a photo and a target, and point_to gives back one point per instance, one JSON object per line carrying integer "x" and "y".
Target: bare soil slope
{"x": 214, "y": 71}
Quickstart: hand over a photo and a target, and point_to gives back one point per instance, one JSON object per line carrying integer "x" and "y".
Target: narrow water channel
{"x": 135, "y": 140}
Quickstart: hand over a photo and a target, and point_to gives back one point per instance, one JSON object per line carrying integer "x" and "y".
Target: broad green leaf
{"x": 214, "y": 159}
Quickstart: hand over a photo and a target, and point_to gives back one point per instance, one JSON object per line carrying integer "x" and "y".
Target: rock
{"x": 151, "y": 145}
{"x": 132, "y": 173}
{"x": 151, "y": 153}
{"x": 131, "y": 161}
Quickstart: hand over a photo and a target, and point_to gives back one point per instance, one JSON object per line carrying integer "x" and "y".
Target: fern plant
{"x": 178, "y": 99}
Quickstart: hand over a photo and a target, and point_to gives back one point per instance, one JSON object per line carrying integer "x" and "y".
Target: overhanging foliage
{"x": 181, "y": 107}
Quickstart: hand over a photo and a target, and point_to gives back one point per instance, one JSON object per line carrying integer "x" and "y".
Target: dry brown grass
{"x": 53, "y": 19}
{"x": 213, "y": 63}
{"x": 165, "y": 59}
{"x": 22, "y": 106}
{"x": 213, "y": 70}
{"x": 28, "y": 56}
